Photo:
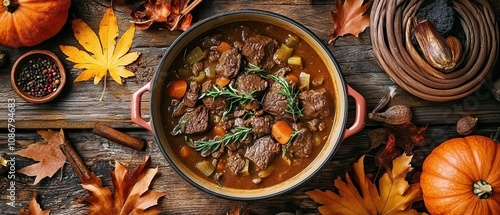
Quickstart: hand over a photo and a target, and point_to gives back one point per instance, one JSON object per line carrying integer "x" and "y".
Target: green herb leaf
{"x": 234, "y": 97}
{"x": 236, "y": 135}
{"x": 291, "y": 96}
{"x": 292, "y": 137}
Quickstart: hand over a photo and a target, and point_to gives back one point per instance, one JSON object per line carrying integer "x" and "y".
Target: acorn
{"x": 2, "y": 58}
{"x": 466, "y": 125}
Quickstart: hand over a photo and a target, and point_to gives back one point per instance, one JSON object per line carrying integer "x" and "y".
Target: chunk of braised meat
{"x": 229, "y": 63}
{"x": 212, "y": 40}
{"x": 192, "y": 94}
{"x": 316, "y": 125}
{"x": 197, "y": 68}
{"x": 226, "y": 124}
{"x": 252, "y": 105}
{"x": 213, "y": 56}
{"x": 314, "y": 103}
{"x": 239, "y": 122}
{"x": 318, "y": 80}
{"x": 215, "y": 104}
{"x": 248, "y": 83}
{"x": 276, "y": 103}
{"x": 196, "y": 121}
{"x": 235, "y": 162}
{"x": 218, "y": 153}
{"x": 259, "y": 50}
{"x": 179, "y": 110}
{"x": 240, "y": 113}
{"x": 261, "y": 125}
{"x": 263, "y": 151}
{"x": 303, "y": 144}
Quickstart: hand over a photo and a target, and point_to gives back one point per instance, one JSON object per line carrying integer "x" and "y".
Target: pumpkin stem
{"x": 11, "y": 5}
{"x": 482, "y": 189}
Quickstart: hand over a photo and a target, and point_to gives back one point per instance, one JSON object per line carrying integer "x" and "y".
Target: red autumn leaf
{"x": 34, "y": 208}
{"x": 400, "y": 138}
{"x": 48, "y": 153}
{"x": 349, "y": 18}
{"x": 173, "y": 14}
{"x": 131, "y": 193}
{"x": 408, "y": 136}
{"x": 236, "y": 210}
{"x": 385, "y": 157}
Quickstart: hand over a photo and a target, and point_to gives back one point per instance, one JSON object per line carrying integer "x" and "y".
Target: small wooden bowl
{"x": 16, "y": 71}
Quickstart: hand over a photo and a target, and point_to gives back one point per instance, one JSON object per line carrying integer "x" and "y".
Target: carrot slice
{"x": 292, "y": 78}
{"x": 222, "y": 82}
{"x": 177, "y": 89}
{"x": 185, "y": 151}
{"x": 223, "y": 46}
{"x": 219, "y": 131}
{"x": 281, "y": 131}
{"x": 221, "y": 166}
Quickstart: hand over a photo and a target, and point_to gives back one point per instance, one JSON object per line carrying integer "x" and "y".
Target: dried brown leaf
{"x": 172, "y": 14}
{"x": 236, "y": 210}
{"x": 47, "y": 153}
{"x": 350, "y": 18}
{"x": 131, "y": 193}
{"x": 34, "y": 208}
{"x": 394, "y": 195}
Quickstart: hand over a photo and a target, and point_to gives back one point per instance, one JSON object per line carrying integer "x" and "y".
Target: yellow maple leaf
{"x": 105, "y": 54}
{"x": 393, "y": 196}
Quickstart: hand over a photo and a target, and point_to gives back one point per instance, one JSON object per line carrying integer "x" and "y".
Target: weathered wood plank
{"x": 99, "y": 155}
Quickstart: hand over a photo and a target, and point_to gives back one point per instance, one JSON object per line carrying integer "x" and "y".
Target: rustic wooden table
{"x": 78, "y": 109}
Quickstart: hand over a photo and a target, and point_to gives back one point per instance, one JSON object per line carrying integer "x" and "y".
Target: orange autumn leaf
{"x": 394, "y": 195}
{"x": 47, "y": 153}
{"x": 131, "y": 193}
{"x": 34, "y": 208}
{"x": 350, "y": 18}
{"x": 103, "y": 53}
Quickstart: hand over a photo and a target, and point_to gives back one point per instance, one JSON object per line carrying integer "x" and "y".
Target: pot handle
{"x": 135, "y": 107}
{"x": 359, "y": 121}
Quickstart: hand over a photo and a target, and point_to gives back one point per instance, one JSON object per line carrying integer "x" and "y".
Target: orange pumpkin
{"x": 462, "y": 176}
{"x": 30, "y": 22}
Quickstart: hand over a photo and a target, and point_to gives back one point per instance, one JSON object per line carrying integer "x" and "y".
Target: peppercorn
{"x": 39, "y": 77}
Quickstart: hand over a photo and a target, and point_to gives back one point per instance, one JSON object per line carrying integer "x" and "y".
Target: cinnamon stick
{"x": 75, "y": 161}
{"x": 117, "y": 136}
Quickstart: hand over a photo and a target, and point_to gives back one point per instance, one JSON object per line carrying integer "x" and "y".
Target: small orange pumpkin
{"x": 30, "y": 22}
{"x": 462, "y": 176}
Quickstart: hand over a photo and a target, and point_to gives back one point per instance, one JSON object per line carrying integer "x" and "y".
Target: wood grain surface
{"x": 78, "y": 108}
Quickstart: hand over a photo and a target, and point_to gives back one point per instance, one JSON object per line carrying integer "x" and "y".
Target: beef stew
{"x": 255, "y": 110}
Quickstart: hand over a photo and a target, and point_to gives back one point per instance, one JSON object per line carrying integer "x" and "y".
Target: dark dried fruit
{"x": 394, "y": 115}
{"x": 466, "y": 125}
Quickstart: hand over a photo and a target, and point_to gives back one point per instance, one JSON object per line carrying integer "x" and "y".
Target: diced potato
{"x": 246, "y": 170}
{"x": 304, "y": 80}
{"x": 291, "y": 41}
{"x": 195, "y": 55}
{"x": 283, "y": 53}
{"x": 205, "y": 167}
{"x": 295, "y": 61}
{"x": 200, "y": 78}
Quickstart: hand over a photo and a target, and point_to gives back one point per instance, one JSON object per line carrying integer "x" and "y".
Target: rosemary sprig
{"x": 252, "y": 68}
{"x": 235, "y": 97}
{"x": 292, "y": 137}
{"x": 291, "y": 96}
{"x": 236, "y": 135}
